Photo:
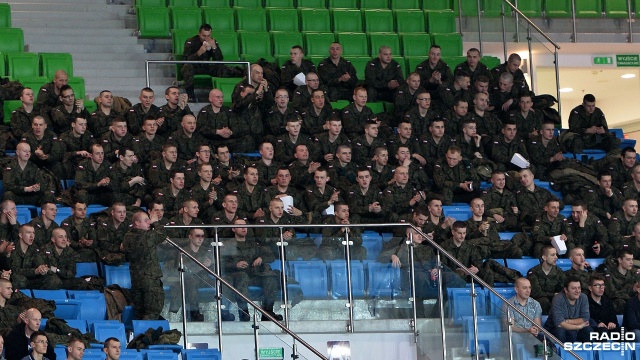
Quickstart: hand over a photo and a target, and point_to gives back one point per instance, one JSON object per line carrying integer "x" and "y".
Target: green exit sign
{"x": 603, "y": 60}
{"x": 271, "y": 354}
{"x": 629, "y": 60}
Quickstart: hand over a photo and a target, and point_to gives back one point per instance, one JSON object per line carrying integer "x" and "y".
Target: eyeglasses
{"x": 425, "y": 99}
{"x": 598, "y": 285}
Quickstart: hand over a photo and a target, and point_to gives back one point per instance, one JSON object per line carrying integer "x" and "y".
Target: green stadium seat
{"x": 413, "y": 62}
{"x": 11, "y": 40}
{"x": 283, "y": 19}
{"x": 532, "y": 8}
{"x": 347, "y": 20}
{"x": 316, "y": 60}
{"x": 401, "y": 61}
{"x": 255, "y": 45}
{"x": 3, "y": 65}
{"x": 589, "y": 9}
{"x": 491, "y": 61}
{"x": 451, "y": 43}
{"x": 616, "y": 8}
{"x": 469, "y": 7}
{"x": 220, "y": 19}
{"x": 23, "y": 65}
{"x": 251, "y": 19}
{"x": 378, "y": 21}
{"x": 343, "y": 4}
{"x": 314, "y": 20}
{"x": 52, "y": 62}
{"x": 178, "y": 38}
{"x": 389, "y": 39}
{"x": 374, "y": 4}
{"x": 313, "y": 4}
{"x": 558, "y": 9}
{"x": 285, "y": 4}
{"x": 5, "y": 16}
{"x": 247, "y": 3}
{"x": 9, "y": 106}
{"x": 407, "y": 4}
{"x": 437, "y": 4}
{"x": 453, "y": 61}
{"x": 493, "y": 9}
{"x": 410, "y": 21}
{"x": 183, "y": 3}
{"x": 228, "y": 42}
{"x": 284, "y": 40}
{"x": 186, "y": 18}
{"x": 226, "y": 85}
{"x": 360, "y": 64}
{"x": 151, "y": 3}
{"x": 441, "y": 22}
{"x": 153, "y": 22}
{"x": 36, "y": 83}
{"x": 415, "y": 45}
{"x": 353, "y": 44}
{"x": 215, "y": 3}
{"x": 317, "y": 44}
{"x": 77, "y": 83}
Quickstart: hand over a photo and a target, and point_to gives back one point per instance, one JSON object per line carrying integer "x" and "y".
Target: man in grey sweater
{"x": 569, "y": 316}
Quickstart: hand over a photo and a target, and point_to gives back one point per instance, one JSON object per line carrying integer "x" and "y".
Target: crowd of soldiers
{"x": 448, "y": 131}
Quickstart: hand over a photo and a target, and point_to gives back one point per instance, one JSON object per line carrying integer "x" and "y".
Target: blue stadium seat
{"x": 24, "y": 215}
{"x": 80, "y": 324}
{"x": 87, "y": 269}
{"x": 158, "y": 354}
{"x": 372, "y": 241}
{"x": 457, "y": 212}
{"x": 566, "y": 212}
{"x": 384, "y": 280}
{"x": 584, "y": 354}
{"x": 594, "y": 263}
{"x": 130, "y": 354}
{"x": 339, "y": 279}
{"x": 201, "y": 354}
{"x": 63, "y": 213}
{"x": 507, "y": 235}
{"x": 564, "y": 264}
{"x": 489, "y": 334}
{"x": 94, "y": 305}
{"x": 615, "y": 355}
{"x": 460, "y": 303}
{"x": 312, "y": 277}
{"x": 522, "y": 265}
{"x": 61, "y": 353}
{"x": 118, "y": 275}
{"x": 495, "y": 304}
{"x": 50, "y": 294}
{"x": 26, "y": 292}
{"x": 68, "y": 309}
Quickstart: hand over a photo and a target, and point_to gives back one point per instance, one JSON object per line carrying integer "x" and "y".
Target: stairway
{"x": 100, "y": 38}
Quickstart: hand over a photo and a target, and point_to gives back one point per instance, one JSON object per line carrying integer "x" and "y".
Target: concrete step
{"x": 69, "y": 7}
{"x": 111, "y": 65}
{"x": 76, "y": 24}
{"x": 88, "y": 33}
{"x": 104, "y": 72}
{"x": 32, "y": 2}
{"x": 62, "y": 15}
{"x": 82, "y": 41}
{"x": 123, "y": 57}
{"x": 98, "y": 49}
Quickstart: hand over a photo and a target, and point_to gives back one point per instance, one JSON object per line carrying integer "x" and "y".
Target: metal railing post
{"x": 573, "y": 20}
{"x": 530, "y": 58}
{"x": 441, "y": 302}
{"x": 557, "y": 68}
{"x": 347, "y": 253}
{"x": 479, "y": 26}
{"x": 510, "y": 332}
{"x": 460, "y": 16}
{"x": 474, "y": 314}
{"x": 412, "y": 274}
{"x": 216, "y": 254}
{"x": 283, "y": 275}
{"x": 630, "y": 20}
{"x": 504, "y": 32}
{"x": 184, "y": 303}
{"x": 517, "y": 27}
{"x": 256, "y": 329}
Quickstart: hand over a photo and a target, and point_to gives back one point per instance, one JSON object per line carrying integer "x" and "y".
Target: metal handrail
{"x": 173, "y": 62}
{"x": 514, "y": 8}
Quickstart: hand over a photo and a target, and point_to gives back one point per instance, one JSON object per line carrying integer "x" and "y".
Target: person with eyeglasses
{"x": 421, "y": 115}
{"x": 21, "y": 340}
{"x": 603, "y": 317}
{"x": 69, "y": 109}
{"x": 276, "y": 117}
{"x": 39, "y": 344}
{"x": 301, "y": 97}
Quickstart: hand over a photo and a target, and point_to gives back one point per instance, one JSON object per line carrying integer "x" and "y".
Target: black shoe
{"x": 227, "y": 316}
{"x": 196, "y": 316}
{"x": 278, "y": 317}
{"x": 243, "y": 315}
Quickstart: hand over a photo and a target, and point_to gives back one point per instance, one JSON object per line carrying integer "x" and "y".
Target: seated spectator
{"x": 530, "y": 198}
{"x": 248, "y": 109}
{"x": 75, "y": 349}
{"x": 364, "y": 145}
{"x": 22, "y": 117}
{"x": 631, "y": 189}
{"x": 128, "y": 178}
{"x": 188, "y": 215}
{"x": 500, "y": 203}
{"x": 505, "y": 146}
{"x": 457, "y": 88}
{"x": 603, "y": 317}
{"x": 159, "y": 172}
{"x": 621, "y": 169}
{"x": 357, "y": 114}
{"x": 631, "y": 318}
{"x": 93, "y": 179}
{"x": 400, "y": 196}
{"x": 170, "y": 114}
{"x": 20, "y": 336}
{"x": 633, "y": 244}
{"x": 228, "y": 169}
{"x": 302, "y": 168}
{"x": 331, "y": 247}
{"x": 276, "y": 117}
{"x": 417, "y": 175}
{"x": 9, "y": 222}
{"x": 303, "y": 93}
{"x": 527, "y": 119}
{"x": 550, "y": 224}
{"x": 81, "y": 233}
{"x": 267, "y": 167}
{"x": 488, "y": 124}
{"x": 69, "y": 110}
{"x": 44, "y": 224}
{"x": 588, "y": 128}
{"x": 604, "y": 200}
{"x": 201, "y": 156}
{"x": 61, "y": 261}
{"x": 405, "y": 138}
{"x": 295, "y": 65}
{"x": 406, "y": 95}
{"x": 112, "y": 348}
{"x": 47, "y": 148}
{"x": 434, "y": 144}
{"x": 455, "y": 116}
{"x": 101, "y": 119}
{"x": 315, "y": 117}
{"x": 250, "y": 194}
{"x": 148, "y": 145}
{"x": 157, "y": 209}
{"x": 9, "y": 313}
{"x": 433, "y": 71}
{"x": 115, "y": 138}
{"x": 579, "y": 268}
{"x": 338, "y": 74}
{"x": 381, "y": 171}
{"x": 546, "y": 279}
{"x": 207, "y": 193}
{"x": 174, "y": 194}
{"x": 621, "y": 280}
{"x": 24, "y": 182}
{"x": 187, "y": 140}
{"x": 469, "y": 142}
{"x": 483, "y": 234}
{"x": 422, "y": 115}
{"x": 49, "y": 93}
{"x": 512, "y": 66}
{"x": 263, "y": 92}
{"x": 270, "y": 236}
{"x": 193, "y": 274}
{"x": 364, "y": 200}
{"x": 226, "y": 216}
{"x": 286, "y": 143}
{"x": 283, "y": 188}
{"x": 327, "y": 143}
{"x": 504, "y": 97}
{"x": 342, "y": 170}
{"x": 456, "y": 180}
{"x": 382, "y": 76}
{"x": 473, "y": 65}
{"x": 622, "y": 223}
{"x": 545, "y": 151}
{"x": 28, "y": 267}
{"x": 76, "y": 144}
{"x": 110, "y": 233}
{"x": 481, "y": 85}
{"x": 589, "y": 232}
{"x": 522, "y": 300}
{"x": 320, "y": 196}
{"x": 569, "y": 317}
{"x": 141, "y": 111}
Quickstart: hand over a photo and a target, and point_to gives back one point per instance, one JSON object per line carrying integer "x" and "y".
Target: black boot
{"x": 196, "y": 316}
{"x": 227, "y": 316}
{"x": 268, "y": 307}
{"x": 243, "y": 313}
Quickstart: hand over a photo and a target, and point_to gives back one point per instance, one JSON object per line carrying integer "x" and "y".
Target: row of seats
{"x": 552, "y": 8}
{"x": 318, "y": 20}
{"x": 5, "y": 16}
{"x": 21, "y": 65}
{"x": 332, "y": 4}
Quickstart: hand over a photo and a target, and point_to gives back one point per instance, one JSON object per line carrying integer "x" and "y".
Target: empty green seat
{"x": 183, "y": 3}
{"x": 343, "y": 4}
{"x": 226, "y": 85}
{"x": 493, "y": 8}
{"x": 374, "y": 4}
{"x": 52, "y": 62}
{"x": 469, "y": 7}
{"x": 389, "y": 39}
{"x": 3, "y": 66}
{"x": 413, "y": 62}
{"x": 220, "y": 19}
{"x": 314, "y": 20}
{"x": 186, "y": 18}
{"x": 255, "y": 45}
{"x": 353, "y": 44}
{"x": 441, "y": 22}
{"x": 228, "y": 42}
{"x": 491, "y": 61}
{"x": 9, "y": 106}
{"x": 23, "y": 65}
{"x": 532, "y": 8}
{"x": 151, "y": 2}
{"x": 284, "y": 40}
{"x": 251, "y": 19}
{"x": 77, "y": 83}
{"x": 215, "y": 3}
{"x": 247, "y": 3}
{"x": 378, "y": 21}
{"x": 347, "y": 20}
{"x": 178, "y": 38}
{"x": 278, "y": 4}
{"x": 5, "y": 16}
{"x": 36, "y": 83}
{"x": 558, "y": 9}
{"x": 589, "y": 8}
{"x": 451, "y": 44}
{"x": 283, "y": 19}
{"x": 437, "y": 4}
{"x": 317, "y": 44}
{"x": 11, "y": 40}
{"x": 409, "y": 21}
{"x": 454, "y": 61}
{"x": 616, "y": 8}
{"x": 360, "y": 64}
{"x": 314, "y": 4}
{"x": 153, "y": 22}
{"x": 415, "y": 45}
{"x": 406, "y": 4}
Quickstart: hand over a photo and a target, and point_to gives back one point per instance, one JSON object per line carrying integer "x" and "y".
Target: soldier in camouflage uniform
{"x": 170, "y": 114}
{"x": 356, "y": 114}
{"x": 631, "y": 189}
{"x": 140, "y": 245}
{"x": 589, "y": 128}
{"x": 48, "y": 151}
{"x": 316, "y": 114}
{"x": 93, "y": 179}
{"x": 332, "y": 237}
{"x": 188, "y": 215}
{"x": 327, "y": 143}
{"x": 250, "y": 194}
{"x": 505, "y": 146}
{"x": 81, "y": 233}
{"x": 110, "y": 233}
{"x": 23, "y": 180}
{"x": 269, "y": 237}
{"x": 527, "y": 119}
{"x": 28, "y": 268}
{"x": 187, "y": 140}
{"x": 500, "y": 203}
{"x": 207, "y": 193}
{"x": 77, "y": 145}
{"x": 364, "y": 200}
{"x": 589, "y": 232}
{"x": 128, "y": 179}
{"x": 531, "y": 198}
{"x": 267, "y": 167}
{"x": 61, "y": 260}
{"x": 400, "y": 197}
{"x": 457, "y": 181}
{"x": 422, "y": 115}
{"x": 548, "y": 225}
{"x": 434, "y": 144}
{"x": 22, "y": 117}
{"x": 620, "y": 168}
{"x": 320, "y": 196}
{"x": 406, "y": 96}
{"x": 143, "y": 110}
{"x": 579, "y": 268}
{"x": 482, "y": 233}
{"x": 226, "y": 216}
{"x": 546, "y": 279}
{"x": 621, "y": 225}
{"x": 620, "y": 280}
{"x": 44, "y": 224}
{"x": 604, "y": 200}
{"x": 173, "y": 194}
{"x": 545, "y": 150}
{"x": 159, "y": 172}
{"x": 286, "y": 143}
{"x": 194, "y": 276}
{"x": 101, "y": 119}
{"x": 115, "y": 138}
{"x": 49, "y": 93}
{"x": 148, "y": 145}
{"x": 70, "y": 109}
{"x": 8, "y": 222}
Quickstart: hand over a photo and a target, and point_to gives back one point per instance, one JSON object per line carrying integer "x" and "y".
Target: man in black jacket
{"x": 19, "y": 337}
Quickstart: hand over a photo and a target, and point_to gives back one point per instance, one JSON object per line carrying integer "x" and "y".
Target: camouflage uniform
{"x": 47, "y": 97}
{"x": 325, "y": 146}
{"x": 111, "y": 144}
{"x": 502, "y": 152}
{"x": 579, "y": 121}
{"x": 110, "y": 239}
{"x": 172, "y": 203}
{"x": 62, "y": 119}
{"x": 285, "y": 148}
{"x": 43, "y": 234}
{"x": 629, "y": 190}
{"x": 425, "y": 71}
{"x": 353, "y": 120}
{"x": 99, "y": 122}
{"x": 147, "y": 150}
{"x": 187, "y": 145}
{"x": 540, "y": 155}
{"x": 71, "y": 145}
{"x": 359, "y": 204}
{"x": 135, "y": 117}
{"x": 128, "y": 194}
{"x": 530, "y": 203}
{"x": 76, "y": 231}
{"x": 317, "y": 202}
{"x": 544, "y": 229}
{"x": 313, "y": 122}
{"x": 342, "y": 177}
{"x": 158, "y": 175}
{"x": 181, "y": 235}
{"x": 21, "y": 120}
{"x": 526, "y": 124}
{"x": 328, "y": 72}
{"x": 202, "y": 197}
{"x": 501, "y": 203}
{"x": 65, "y": 262}
{"x": 433, "y": 151}
{"x": 600, "y": 204}
{"x": 447, "y": 180}
{"x": 619, "y": 288}
{"x": 87, "y": 183}
{"x": 619, "y": 228}
{"x": 266, "y": 172}
{"x": 51, "y": 146}
{"x": 220, "y": 218}
{"x": 23, "y": 265}
{"x": 545, "y": 286}
{"x": 172, "y": 118}
{"x": 332, "y": 248}
{"x": 249, "y": 202}
{"x": 404, "y": 100}
{"x": 277, "y": 121}
{"x": 362, "y": 151}
{"x": 490, "y": 245}
{"x": 144, "y": 267}
{"x": 376, "y": 79}
{"x": 269, "y": 237}
{"x": 16, "y": 179}
{"x": 396, "y": 198}
{"x": 480, "y": 70}
{"x": 586, "y": 236}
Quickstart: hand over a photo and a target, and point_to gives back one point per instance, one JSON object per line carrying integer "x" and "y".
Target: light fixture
{"x": 566, "y": 90}
{"x": 628, "y": 76}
